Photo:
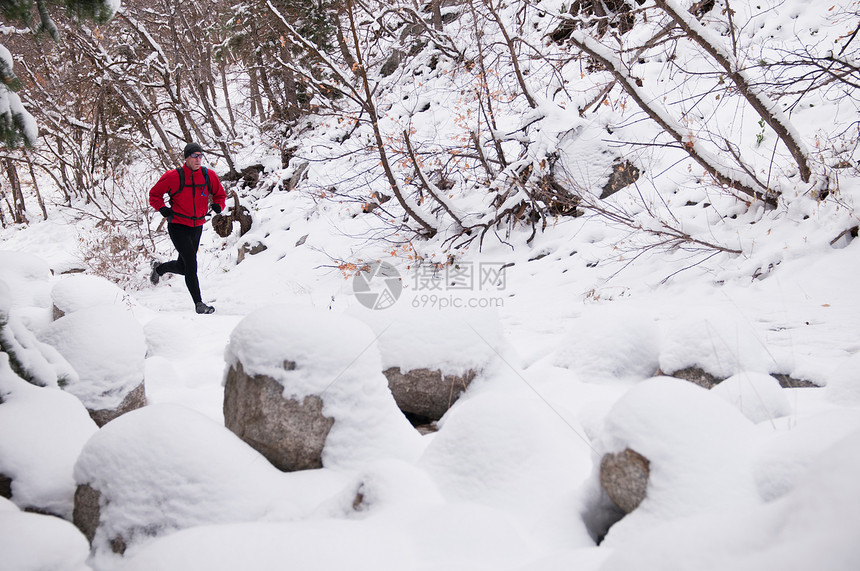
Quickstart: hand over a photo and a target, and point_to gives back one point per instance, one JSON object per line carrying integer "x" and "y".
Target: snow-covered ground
{"x": 747, "y": 475}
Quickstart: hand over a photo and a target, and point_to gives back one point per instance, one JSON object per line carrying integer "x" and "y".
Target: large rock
{"x": 134, "y": 399}
{"x": 695, "y": 375}
{"x": 42, "y": 432}
{"x": 106, "y": 347}
{"x": 430, "y": 359}
{"x": 624, "y": 477}
{"x": 81, "y": 291}
{"x": 87, "y": 514}
{"x": 87, "y": 511}
{"x": 165, "y": 468}
{"x": 424, "y": 394}
{"x": 305, "y": 388}
{"x": 5, "y": 486}
{"x": 290, "y": 433}
{"x": 699, "y": 376}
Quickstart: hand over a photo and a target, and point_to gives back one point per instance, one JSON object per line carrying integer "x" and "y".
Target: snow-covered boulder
{"x": 843, "y": 384}
{"x": 697, "y": 376}
{"x": 791, "y": 449}
{"x": 718, "y": 341}
{"x": 698, "y": 446}
{"x": 609, "y": 342}
{"x": 511, "y": 449}
{"x": 43, "y": 431}
{"x": 28, "y": 278}
{"x": 165, "y": 467}
{"x": 106, "y": 347}
{"x": 34, "y": 361}
{"x": 757, "y": 395}
{"x": 327, "y": 364}
{"x": 81, "y": 291}
{"x": 430, "y": 357}
{"x": 33, "y": 542}
{"x": 813, "y": 526}
{"x": 24, "y": 299}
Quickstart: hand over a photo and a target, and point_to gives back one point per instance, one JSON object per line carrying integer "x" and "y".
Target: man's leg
{"x": 199, "y": 306}
{"x": 186, "y": 240}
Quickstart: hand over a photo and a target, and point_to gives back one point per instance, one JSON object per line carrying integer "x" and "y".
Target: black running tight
{"x": 186, "y": 239}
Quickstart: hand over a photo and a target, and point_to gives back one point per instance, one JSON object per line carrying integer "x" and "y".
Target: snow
{"x": 719, "y": 340}
{"x": 758, "y": 396}
{"x": 164, "y": 468}
{"x": 106, "y": 347}
{"x": 54, "y": 423}
{"x": 621, "y": 342}
{"x": 571, "y": 349}
{"x": 59, "y": 544}
{"x": 784, "y": 535}
{"x": 471, "y": 341}
{"x": 27, "y": 279}
{"x": 83, "y": 291}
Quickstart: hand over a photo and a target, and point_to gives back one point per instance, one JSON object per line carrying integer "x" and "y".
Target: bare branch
{"x": 613, "y": 65}
{"x": 766, "y": 110}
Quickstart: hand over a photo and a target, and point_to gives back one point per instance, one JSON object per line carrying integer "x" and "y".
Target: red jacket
{"x": 191, "y": 205}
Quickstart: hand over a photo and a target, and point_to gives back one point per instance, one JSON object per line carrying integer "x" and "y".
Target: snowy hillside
{"x": 575, "y": 315}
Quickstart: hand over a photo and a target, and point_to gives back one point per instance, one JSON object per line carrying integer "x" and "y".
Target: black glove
{"x": 166, "y": 212}
{"x": 216, "y": 208}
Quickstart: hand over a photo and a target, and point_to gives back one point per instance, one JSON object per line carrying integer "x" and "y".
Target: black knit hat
{"x": 192, "y": 148}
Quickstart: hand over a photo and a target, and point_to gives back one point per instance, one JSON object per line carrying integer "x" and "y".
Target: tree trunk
{"x": 36, "y": 186}
{"x": 256, "y": 98}
{"x": 436, "y": 11}
{"x": 18, "y": 207}
{"x": 222, "y": 64}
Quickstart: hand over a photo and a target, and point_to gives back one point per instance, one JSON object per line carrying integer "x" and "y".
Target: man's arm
{"x": 162, "y": 187}
{"x": 219, "y": 197}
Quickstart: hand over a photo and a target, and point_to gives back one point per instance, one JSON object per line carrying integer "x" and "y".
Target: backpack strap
{"x": 208, "y": 183}
{"x": 181, "y": 173}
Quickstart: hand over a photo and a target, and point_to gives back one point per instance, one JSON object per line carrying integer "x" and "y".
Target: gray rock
{"x": 392, "y": 63}
{"x": 135, "y": 399}
{"x": 289, "y": 433}
{"x": 5, "y": 486}
{"x": 788, "y": 382}
{"x": 87, "y": 510}
{"x": 250, "y": 249}
{"x": 426, "y": 393}
{"x": 624, "y": 477}
{"x": 87, "y": 515}
{"x": 624, "y": 173}
{"x": 696, "y": 376}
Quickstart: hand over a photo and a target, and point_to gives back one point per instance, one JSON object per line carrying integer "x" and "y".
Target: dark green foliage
{"x": 314, "y": 19}
{"x": 14, "y": 120}
{"x": 13, "y": 128}
{"x": 14, "y": 363}
{"x": 98, "y": 11}
{"x": 22, "y": 11}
